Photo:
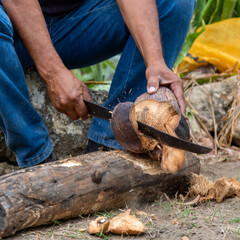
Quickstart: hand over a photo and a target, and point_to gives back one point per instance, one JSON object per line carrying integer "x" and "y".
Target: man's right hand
{"x": 66, "y": 93}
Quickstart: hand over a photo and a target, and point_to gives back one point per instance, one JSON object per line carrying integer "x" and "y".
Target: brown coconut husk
{"x": 159, "y": 110}
{"x": 214, "y": 190}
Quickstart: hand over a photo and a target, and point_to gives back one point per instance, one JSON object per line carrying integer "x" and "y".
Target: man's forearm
{"x": 65, "y": 91}
{"x": 29, "y": 22}
{"x": 141, "y": 17}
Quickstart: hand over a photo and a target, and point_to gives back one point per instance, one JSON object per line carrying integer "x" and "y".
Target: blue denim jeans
{"x": 87, "y": 35}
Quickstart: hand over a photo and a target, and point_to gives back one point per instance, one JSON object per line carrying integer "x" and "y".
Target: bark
{"x": 83, "y": 185}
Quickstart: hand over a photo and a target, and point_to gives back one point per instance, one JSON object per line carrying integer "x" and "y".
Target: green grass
{"x": 105, "y": 214}
{"x": 98, "y": 76}
{"x": 104, "y": 236}
{"x": 74, "y": 235}
{"x": 235, "y": 220}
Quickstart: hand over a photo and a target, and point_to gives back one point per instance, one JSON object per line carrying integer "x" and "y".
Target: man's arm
{"x": 141, "y": 17}
{"x": 65, "y": 91}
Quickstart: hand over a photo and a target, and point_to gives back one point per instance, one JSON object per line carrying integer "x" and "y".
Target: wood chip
{"x": 100, "y": 225}
{"x": 123, "y": 224}
{"x": 175, "y": 221}
{"x": 126, "y": 224}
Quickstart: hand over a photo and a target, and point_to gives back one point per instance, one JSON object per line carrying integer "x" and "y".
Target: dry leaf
{"x": 126, "y": 224}
{"x": 153, "y": 217}
{"x": 217, "y": 190}
{"x": 185, "y": 238}
{"x": 175, "y": 221}
{"x": 193, "y": 201}
{"x": 100, "y": 225}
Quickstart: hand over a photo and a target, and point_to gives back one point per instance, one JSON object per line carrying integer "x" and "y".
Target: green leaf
{"x": 197, "y": 12}
{"x": 237, "y": 9}
{"x": 228, "y": 8}
{"x": 97, "y": 87}
{"x": 216, "y": 15}
{"x": 97, "y": 72}
{"x": 207, "y": 12}
{"x": 100, "y": 72}
{"x": 188, "y": 43}
{"x": 111, "y": 64}
{"x": 87, "y": 77}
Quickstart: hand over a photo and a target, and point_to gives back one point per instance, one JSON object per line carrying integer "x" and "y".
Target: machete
{"x": 164, "y": 138}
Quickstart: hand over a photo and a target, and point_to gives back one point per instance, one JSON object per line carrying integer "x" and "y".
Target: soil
{"x": 208, "y": 221}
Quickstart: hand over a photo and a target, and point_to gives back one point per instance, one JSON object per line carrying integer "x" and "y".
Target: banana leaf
{"x": 216, "y": 15}
{"x": 197, "y": 12}
{"x": 228, "y": 8}
{"x": 207, "y": 11}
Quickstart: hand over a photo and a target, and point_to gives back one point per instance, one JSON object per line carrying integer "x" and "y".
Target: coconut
{"x": 159, "y": 110}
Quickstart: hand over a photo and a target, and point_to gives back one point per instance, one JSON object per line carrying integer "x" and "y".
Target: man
{"x": 58, "y": 35}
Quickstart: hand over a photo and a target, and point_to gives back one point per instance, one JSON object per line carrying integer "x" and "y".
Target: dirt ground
{"x": 208, "y": 221}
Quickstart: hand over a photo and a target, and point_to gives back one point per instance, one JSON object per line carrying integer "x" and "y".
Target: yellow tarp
{"x": 219, "y": 45}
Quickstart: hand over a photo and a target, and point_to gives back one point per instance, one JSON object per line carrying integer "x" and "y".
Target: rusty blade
{"x": 172, "y": 141}
{"x": 98, "y": 111}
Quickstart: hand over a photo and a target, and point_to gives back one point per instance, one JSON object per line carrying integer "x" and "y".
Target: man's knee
{"x": 184, "y": 8}
{"x": 6, "y": 27}
{"x": 181, "y": 10}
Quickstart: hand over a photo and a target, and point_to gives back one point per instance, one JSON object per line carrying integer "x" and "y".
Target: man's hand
{"x": 158, "y": 74}
{"x": 64, "y": 89}
{"x": 66, "y": 93}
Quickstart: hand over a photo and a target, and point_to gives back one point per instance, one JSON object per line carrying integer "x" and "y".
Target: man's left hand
{"x": 158, "y": 74}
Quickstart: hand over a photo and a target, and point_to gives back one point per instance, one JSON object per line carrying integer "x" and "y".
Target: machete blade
{"x": 98, "y": 111}
{"x": 162, "y": 137}
{"x": 172, "y": 141}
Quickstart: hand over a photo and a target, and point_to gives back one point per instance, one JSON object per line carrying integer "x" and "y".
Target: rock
{"x": 70, "y": 137}
{"x": 222, "y": 97}
{"x": 6, "y": 168}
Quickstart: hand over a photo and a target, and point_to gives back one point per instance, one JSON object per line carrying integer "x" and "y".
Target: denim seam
{"x": 8, "y": 24}
{"x": 101, "y": 8}
{"x": 45, "y": 150}
{"x": 129, "y": 68}
{"x": 113, "y": 95}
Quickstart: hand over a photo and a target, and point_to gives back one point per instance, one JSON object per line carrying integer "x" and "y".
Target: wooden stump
{"x": 83, "y": 185}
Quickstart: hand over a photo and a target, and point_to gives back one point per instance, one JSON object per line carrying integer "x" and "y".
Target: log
{"x": 83, "y": 185}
